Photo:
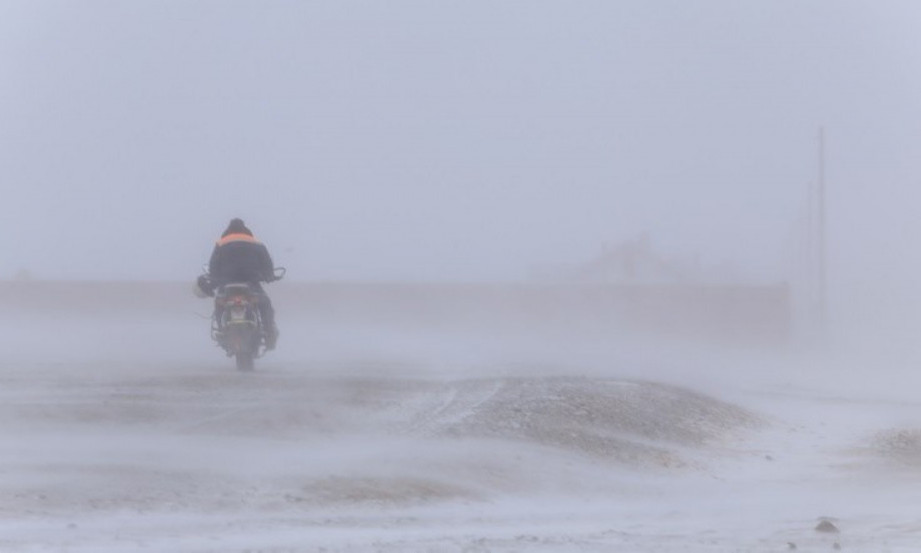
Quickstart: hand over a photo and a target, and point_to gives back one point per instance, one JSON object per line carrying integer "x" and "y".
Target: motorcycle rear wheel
{"x": 244, "y": 361}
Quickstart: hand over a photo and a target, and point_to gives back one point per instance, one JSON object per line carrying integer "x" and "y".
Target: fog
{"x": 450, "y": 140}
{"x": 553, "y": 274}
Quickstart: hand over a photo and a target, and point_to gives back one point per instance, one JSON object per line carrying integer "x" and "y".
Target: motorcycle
{"x": 236, "y": 324}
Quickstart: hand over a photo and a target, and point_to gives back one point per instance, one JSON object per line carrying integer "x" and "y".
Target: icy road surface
{"x": 352, "y": 440}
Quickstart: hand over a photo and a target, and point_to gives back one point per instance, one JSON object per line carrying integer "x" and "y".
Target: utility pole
{"x": 822, "y": 284}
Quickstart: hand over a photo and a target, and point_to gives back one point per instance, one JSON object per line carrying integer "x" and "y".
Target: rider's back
{"x": 239, "y": 257}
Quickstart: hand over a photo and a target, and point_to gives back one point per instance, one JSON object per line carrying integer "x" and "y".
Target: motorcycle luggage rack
{"x": 235, "y": 288}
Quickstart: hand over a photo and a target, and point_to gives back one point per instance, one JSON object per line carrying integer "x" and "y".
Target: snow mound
{"x": 901, "y": 445}
{"x": 636, "y": 423}
{"x": 110, "y": 438}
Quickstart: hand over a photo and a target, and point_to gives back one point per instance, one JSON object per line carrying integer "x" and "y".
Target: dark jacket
{"x": 238, "y": 257}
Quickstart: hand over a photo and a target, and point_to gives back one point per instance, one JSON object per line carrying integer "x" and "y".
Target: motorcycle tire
{"x": 244, "y": 361}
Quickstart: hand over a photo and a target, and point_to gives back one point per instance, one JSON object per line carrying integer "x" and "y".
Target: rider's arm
{"x": 214, "y": 262}
{"x": 268, "y": 267}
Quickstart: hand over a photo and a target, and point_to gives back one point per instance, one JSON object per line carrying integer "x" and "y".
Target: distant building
{"x": 629, "y": 262}
{"x": 634, "y": 262}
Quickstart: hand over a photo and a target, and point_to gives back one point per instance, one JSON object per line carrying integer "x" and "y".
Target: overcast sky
{"x": 462, "y": 140}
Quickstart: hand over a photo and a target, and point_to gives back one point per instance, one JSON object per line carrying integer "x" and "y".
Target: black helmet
{"x": 237, "y": 226}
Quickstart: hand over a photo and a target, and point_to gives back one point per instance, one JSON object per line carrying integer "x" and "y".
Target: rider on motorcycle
{"x": 238, "y": 257}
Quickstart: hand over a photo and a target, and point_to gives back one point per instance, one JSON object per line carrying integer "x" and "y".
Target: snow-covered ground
{"x": 122, "y": 434}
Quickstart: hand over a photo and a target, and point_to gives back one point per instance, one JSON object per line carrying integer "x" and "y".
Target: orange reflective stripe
{"x": 239, "y": 237}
